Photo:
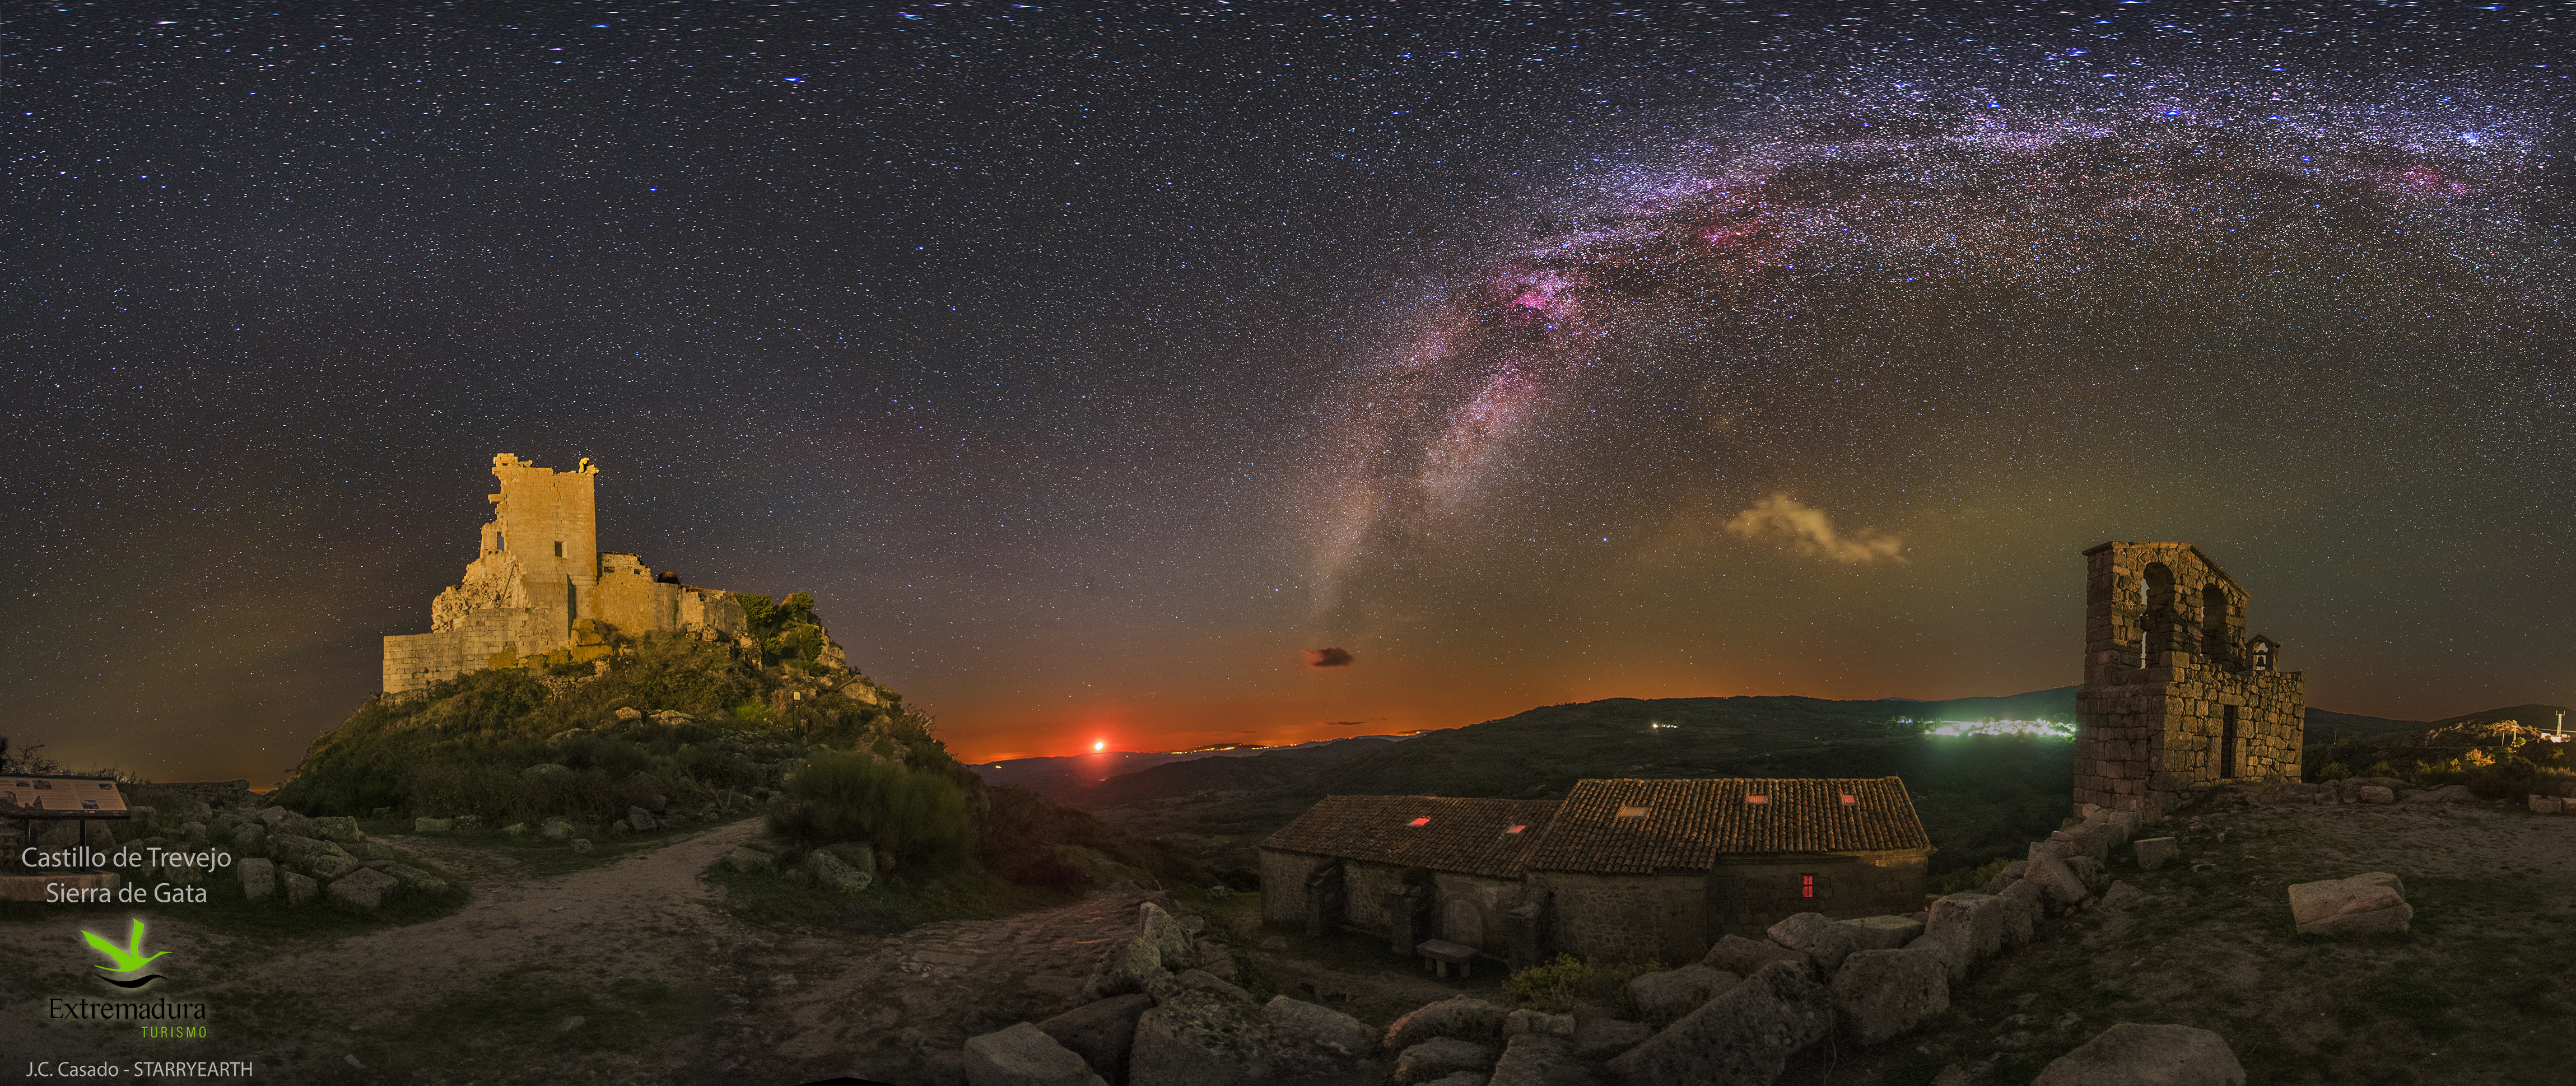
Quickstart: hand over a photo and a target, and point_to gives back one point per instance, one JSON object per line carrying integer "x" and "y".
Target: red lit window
{"x": 1806, "y": 886}
{"x": 1757, "y": 799}
{"x": 1419, "y": 822}
{"x": 1847, "y": 800}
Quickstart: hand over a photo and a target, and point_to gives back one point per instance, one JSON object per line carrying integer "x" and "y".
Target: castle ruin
{"x": 539, "y": 592}
{"x": 2176, "y": 698}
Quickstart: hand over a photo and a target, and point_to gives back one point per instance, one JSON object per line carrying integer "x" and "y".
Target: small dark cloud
{"x": 1329, "y": 657}
{"x": 1343, "y": 723}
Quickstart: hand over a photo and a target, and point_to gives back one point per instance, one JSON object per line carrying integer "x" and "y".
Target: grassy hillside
{"x": 706, "y": 731}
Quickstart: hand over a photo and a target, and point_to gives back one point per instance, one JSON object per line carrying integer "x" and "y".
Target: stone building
{"x": 540, "y": 589}
{"x": 1621, "y": 869}
{"x": 2176, "y": 698}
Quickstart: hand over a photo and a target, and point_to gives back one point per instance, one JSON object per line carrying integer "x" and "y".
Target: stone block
{"x": 1441, "y": 1057}
{"x": 1980, "y": 917}
{"x": 1885, "y": 932}
{"x": 2371, "y": 793}
{"x": 1463, "y": 1017}
{"x": 2155, "y": 852}
{"x": 2131, "y": 1054}
{"x": 1745, "y": 1035}
{"x": 1821, "y": 940}
{"x": 258, "y": 878}
{"x": 1321, "y": 1026}
{"x": 1661, "y": 998}
{"x": 300, "y": 889}
{"x": 2053, "y": 877}
{"x": 364, "y": 888}
{"x": 1024, "y": 1055}
{"x": 2368, "y": 904}
{"x": 433, "y": 825}
{"x": 1882, "y": 994}
{"x": 1101, "y": 1031}
{"x": 1743, "y": 957}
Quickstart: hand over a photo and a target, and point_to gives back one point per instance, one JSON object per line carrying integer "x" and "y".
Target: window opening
{"x": 1806, "y": 886}
{"x": 558, "y": 548}
{"x": 500, "y": 542}
{"x": 1850, "y": 800}
{"x": 1757, "y": 799}
{"x": 2227, "y": 743}
{"x": 1633, "y": 812}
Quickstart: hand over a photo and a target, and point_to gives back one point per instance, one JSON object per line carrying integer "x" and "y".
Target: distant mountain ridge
{"x": 1976, "y": 795}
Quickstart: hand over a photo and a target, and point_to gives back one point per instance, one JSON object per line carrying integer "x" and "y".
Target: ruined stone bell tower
{"x": 2176, "y": 698}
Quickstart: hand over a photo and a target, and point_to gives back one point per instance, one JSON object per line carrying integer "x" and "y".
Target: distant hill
{"x": 1066, "y": 775}
{"x": 2543, "y": 717}
{"x": 1979, "y": 796}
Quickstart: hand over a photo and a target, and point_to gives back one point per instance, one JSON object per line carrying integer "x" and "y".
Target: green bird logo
{"x": 128, "y": 958}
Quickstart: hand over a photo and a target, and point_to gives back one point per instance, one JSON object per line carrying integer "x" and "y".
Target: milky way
{"x": 1744, "y": 256}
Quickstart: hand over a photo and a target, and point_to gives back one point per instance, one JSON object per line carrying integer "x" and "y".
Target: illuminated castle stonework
{"x": 2176, "y": 698}
{"x": 540, "y": 591}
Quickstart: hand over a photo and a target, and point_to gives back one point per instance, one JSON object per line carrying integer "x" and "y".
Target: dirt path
{"x": 623, "y": 973}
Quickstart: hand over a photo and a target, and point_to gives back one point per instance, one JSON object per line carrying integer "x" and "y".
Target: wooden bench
{"x": 1441, "y": 954}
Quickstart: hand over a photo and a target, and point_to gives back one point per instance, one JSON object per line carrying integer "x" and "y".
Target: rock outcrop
{"x": 2130, "y": 1054}
{"x": 2370, "y": 904}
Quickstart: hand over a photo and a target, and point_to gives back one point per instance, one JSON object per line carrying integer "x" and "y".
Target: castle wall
{"x": 635, "y": 603}
{"x": 548, "y": 519}
{"x": 2173, "y": 699}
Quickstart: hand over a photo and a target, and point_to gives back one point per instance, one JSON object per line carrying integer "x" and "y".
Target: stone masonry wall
{"x": 1628, "y": 917}
{"x": 1748, "y": 894}
{"x": 1283, "y": 886}
{"x": 2166, "y": 662}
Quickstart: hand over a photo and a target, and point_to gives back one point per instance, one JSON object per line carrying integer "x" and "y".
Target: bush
{"x": 1968, "y": 878}
{"x": 1555, "y": 987}
{"x": 914, "y": 816}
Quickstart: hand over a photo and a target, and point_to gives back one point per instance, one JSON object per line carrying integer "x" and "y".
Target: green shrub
{"x": 1968, "y": 878}
{"x": 1552, "y": 988}
{"x": 2334, "y": 771}
{"x": 914, "y": 816}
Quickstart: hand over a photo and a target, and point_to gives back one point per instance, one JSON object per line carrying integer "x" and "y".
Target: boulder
{"x": 581, "y": 845}
{"x": 1954, "y": 947}
{"x": 1322, "y": 1027}
{"x": 2449, "y": 793}
{"x": 1441, "y": 1057}
{"x": 2547, "y": 805}
{"x": 1540, "y": 1059}
{"x": 2086, "y": 840}
{"x": 2121, "y": 895}
{"x": 642, "y": 820}
{"x": 320, "y": 859}
{"x": 1980, "y": 917}
{"x": 342, "y": 829}
{"x": 1744, "y": 1035}
{"x": 2024, "y": 905}
{"x": 625, "y": 712}
{"x": 364, "y": 888}
{"x": 250, "y": 839}
{"x": 1824, "y": 942}
{"x": 415, "y": 880}
{"x": 833, "y": 873}
{"x": 1463, "y": 1017}
{"x": 619, "y": 828}
{"x": 747, "y": 858}
{"x": 1024, "y": 1055}
{"x": 258, "y": 878}
{"x": 1128, "y": 966}
{"x": 271, "y": 816}
{"x": 2129, "y": 823}
{"x": 516, "y": 829}
{"x": 1527, "y": 1020}
{"x": 1100, "y": 1032}
{"x": 1742, "y": 957}
{"x": 62, "y": 833}
{"x": 2131, "y": 1054}
{"x": 545, "y": 769}
{"x": 2368, "y": 793}
{"x": 1171, "y": 942}
{"x": 2094, "y": 874}
{"x": 1880, "y": 994}
{"x": 433, "y": 825}
{"x": 1886, "y": 932}
{"x": 2053, "y": 877}
{"x": 556, "y": 829}
{"x": 2371, "y": 904}
{"x": 1163, "y": 986}
{"x": 1212, "y": 955}
{"x": 1195, "y": 1038}
{"x": 2155, "y": 852}
{"x": 1597, "y": 1038}
{"x": 299, "y": 889}
{"x": 1662, "y": 998}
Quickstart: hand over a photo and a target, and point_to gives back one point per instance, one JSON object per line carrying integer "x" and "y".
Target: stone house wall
{"x": 1284, "y": 875}
{"x": 1470, "y": 909}
{"x": 1626, "y": 917}
{"x": 1748, "y": 894}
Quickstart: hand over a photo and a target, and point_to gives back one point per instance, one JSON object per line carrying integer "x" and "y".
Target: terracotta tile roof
{"x": 1688, "y": 824}
{"x": 1463, "y": 835}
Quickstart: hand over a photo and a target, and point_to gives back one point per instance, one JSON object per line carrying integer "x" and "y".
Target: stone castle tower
{"x": 539, "y": 590}
{"x": 2176, "y": 698}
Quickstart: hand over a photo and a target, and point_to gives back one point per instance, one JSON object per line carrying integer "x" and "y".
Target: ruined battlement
{"x": 2176, "y": 698}
{"x": 539, "y": 590}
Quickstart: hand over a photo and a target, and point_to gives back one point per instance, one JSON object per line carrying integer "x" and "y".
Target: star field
{"x": 1095, "y": 365}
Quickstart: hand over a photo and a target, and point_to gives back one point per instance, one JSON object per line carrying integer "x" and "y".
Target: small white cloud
{"x": 1810, "y": 531}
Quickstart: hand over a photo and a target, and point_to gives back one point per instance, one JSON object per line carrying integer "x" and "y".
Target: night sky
{"x": 1165, "y": 375}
